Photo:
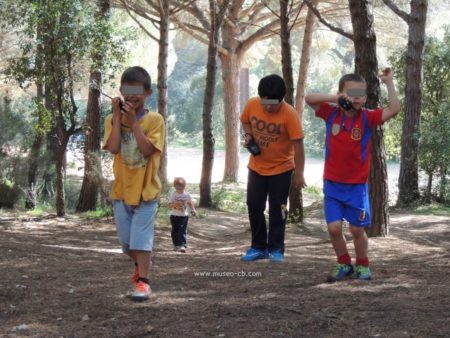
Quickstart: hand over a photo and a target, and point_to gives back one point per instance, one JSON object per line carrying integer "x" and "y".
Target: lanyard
{"x": 344, "y": 118}
{"x": 141, "y": 114}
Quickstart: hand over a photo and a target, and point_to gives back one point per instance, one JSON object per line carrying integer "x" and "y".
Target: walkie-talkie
{"x": 121, "y": 103}
{"x": 253, "y": 147}
{"x": 344, "y": 103}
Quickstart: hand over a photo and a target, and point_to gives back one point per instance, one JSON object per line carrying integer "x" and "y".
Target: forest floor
{"x": 65, "y": 277}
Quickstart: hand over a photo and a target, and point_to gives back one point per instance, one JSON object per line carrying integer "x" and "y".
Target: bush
{"x": 9, "y": 194}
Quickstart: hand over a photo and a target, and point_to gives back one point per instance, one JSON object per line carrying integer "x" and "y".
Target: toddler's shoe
{"x": 253, "y": 254}
{"x": 182, "y": 248}
{"x": 276, "y": 256}
{"x": 363, "y": 272}
{"x": 341, "y": 271}
{"x": 141, "y": 292}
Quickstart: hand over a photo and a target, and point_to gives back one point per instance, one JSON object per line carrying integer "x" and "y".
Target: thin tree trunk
{"x": 60, "y": 178}
{"x": 286, "y": 52}
{"x": 295, "y": 195}
{"x": 162, "y": 79}
{"x": 408, "y": 181}
{"x": 30, "y": 200}
{"x": 443, "y": 184}
{"x": 208, "y": 102}
{"x": 92, "y": 164}
{"x": 429, "y": 187}
{"x": 92, "y": 179}
{"x": 230, "y": 75}
{"x": 48, "y": 177}
{"x": 366, "y": 65}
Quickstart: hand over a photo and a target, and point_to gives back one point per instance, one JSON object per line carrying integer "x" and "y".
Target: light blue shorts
{"x": 135, "y": 225}
{"x": 348, "y": 202}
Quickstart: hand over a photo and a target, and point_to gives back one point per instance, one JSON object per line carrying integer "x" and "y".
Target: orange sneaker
{"x": 141, "y": 291}
{"x": 135, "y": 277}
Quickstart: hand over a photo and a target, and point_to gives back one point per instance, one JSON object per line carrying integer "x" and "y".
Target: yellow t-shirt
{"x": 274, "y": 133}
{"x": 136, "y": 177}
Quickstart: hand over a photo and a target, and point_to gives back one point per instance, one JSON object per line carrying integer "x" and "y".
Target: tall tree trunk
{"x": 366, "y": 65}
{"x": 286, "y": 52}
{"x": 92, "y": 164}
{"x": 60, "y": 178}
{"x": 60, "y": 166}
{"x": 31, "y": 195}
{"x": 162, "y": 79}
{"x": 443, "y": 171}
{"x": 208, "y": 102}
{"x": 92, "y": 179}
{"x": 48, "y": 190}
{"x": 231, "y": 65}
{"x": 408, "y": 181}
{"x": 30, "y": 199}
{"x": 429, "y": 187}
{"x": 295, "y": 195}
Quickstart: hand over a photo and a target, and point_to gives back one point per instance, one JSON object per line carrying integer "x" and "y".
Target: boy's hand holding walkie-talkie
{"x": 251, "y": 145}
{"x": 345, "y": 103}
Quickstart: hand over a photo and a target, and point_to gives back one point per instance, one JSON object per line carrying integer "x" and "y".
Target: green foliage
{"x": 435, "y": 209}
{"x": 14, "y": 141}
{"x": 60, "y": 43}
{"x": 229, "y": 198}
{"x": 314, "y": 191}
{"x": 434, "y": 143}
{"x": 9, "y": 193}
{"x": 186, "y": 90}
{"x": 100, "y": 212}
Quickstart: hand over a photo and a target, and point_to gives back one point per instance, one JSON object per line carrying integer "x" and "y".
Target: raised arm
{"x": 394, "y": 104}
{"x": 314, "y": 100}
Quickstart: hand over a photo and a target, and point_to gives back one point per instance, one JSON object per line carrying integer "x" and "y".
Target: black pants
{"x": 275, "y": 187}
{"x": 179, "y": 230}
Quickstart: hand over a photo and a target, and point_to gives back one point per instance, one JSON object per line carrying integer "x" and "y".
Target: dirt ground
{"x": 65, "y": 277}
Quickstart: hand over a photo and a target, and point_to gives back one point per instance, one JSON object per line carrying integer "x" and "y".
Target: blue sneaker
{"x": 253, "y": 254}
{"x": 341, "y": 271}
{"x": 363, "y": 272}
{"x": 276, "y": 256}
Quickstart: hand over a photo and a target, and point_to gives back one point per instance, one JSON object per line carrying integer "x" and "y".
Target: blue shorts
{"x": 135, "y": 225}
{"x": 348, "y": 202}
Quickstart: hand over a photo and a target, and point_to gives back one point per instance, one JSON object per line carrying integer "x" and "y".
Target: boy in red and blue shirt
{"x": 347, "y": 161}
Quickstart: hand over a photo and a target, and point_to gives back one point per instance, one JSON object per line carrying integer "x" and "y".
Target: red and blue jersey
{"x": 347, "y": 143}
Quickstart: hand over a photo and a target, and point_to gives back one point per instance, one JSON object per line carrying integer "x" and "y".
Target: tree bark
{"x": 286, "y": 52}
{"x": 60, "y": 178}
{"x": 295, "y": 195}
{"x": 208, "y": 102}
{"x": 92, "y": 164}
{"x": 231, "y": 64}
{"x": 92, "y": 179}
{"x": 163, "y": 55}
{"x": 408, "y": 181}
{"x": 60, "y": 166}
{"x": 366, "y": 64}
{"x": 30, "y": 199}
{"x": 429, "y": 187}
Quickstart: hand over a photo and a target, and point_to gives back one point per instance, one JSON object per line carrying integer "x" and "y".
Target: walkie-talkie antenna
{"x": 121, "y": 104}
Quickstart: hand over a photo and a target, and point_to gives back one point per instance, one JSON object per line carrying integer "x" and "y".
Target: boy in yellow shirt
{"x": 135, "y": 136}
